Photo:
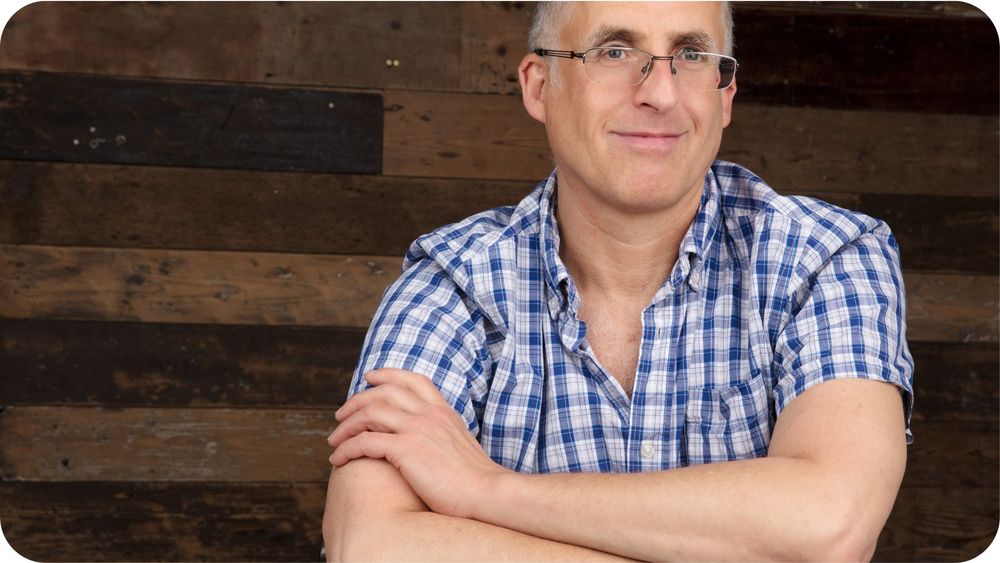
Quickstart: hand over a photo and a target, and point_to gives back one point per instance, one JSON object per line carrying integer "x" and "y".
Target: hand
{"x": 405, "y": 420}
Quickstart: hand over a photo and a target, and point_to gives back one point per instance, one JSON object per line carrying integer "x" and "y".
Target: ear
{"x": 727, "y": 103}
{"x": 533, "y": 76}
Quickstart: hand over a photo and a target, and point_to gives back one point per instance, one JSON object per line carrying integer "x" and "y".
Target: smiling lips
{"x": 649, "y": 140}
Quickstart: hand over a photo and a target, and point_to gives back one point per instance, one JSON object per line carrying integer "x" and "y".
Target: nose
{"x": 659, "y": 88}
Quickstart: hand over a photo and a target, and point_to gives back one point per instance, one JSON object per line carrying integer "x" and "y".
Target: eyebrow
{"x": 606, "y": 34}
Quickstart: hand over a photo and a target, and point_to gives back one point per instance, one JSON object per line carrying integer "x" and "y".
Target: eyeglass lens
{"x": 627, "y": 67}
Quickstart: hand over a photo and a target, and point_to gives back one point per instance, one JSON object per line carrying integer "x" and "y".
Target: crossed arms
{"x": 411, "y": 483}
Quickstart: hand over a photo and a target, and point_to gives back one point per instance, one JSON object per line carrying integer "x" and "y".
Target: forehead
{"x": 654, "y": 25}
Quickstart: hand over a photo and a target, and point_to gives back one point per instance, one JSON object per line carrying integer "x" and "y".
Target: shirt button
{"x": 648, "y": 450}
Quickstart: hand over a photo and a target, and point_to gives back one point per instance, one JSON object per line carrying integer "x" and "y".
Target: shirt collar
{"x": 689, "y": 267}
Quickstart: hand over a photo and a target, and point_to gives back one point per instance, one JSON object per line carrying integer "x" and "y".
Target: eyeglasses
{"x": 625, "y": 66}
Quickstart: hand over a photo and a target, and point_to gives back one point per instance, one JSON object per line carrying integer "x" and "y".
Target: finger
{"x": 377, "y": 418}
{"x": 375, "y": 445}
{"x": 421, "y": 385}
{"x": 394, "y": 395}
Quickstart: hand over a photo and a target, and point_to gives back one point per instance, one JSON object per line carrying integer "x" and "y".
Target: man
{"x": 652, "y": 356}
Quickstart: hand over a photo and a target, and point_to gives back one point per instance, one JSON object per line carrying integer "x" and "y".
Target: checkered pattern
{"x": 770, "y": 295}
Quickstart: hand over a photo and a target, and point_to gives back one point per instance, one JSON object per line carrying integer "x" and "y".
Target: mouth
{"x": 649, "y": 140}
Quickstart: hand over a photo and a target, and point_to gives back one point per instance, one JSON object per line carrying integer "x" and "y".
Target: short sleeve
{"x": 425, "y": 325}
{"x": 851, "y": 323}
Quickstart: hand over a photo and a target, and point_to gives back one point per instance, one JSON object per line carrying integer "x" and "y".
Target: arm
{"x": 824, "y": 492}
{"x": 373, "y": 514}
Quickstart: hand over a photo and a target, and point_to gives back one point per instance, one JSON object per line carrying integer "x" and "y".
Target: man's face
{"x": 639, "y": 148}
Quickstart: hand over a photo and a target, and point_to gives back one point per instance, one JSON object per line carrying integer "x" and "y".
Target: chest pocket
{"x": 727, "y": 424}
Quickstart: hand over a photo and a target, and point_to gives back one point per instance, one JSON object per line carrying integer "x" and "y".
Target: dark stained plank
{"x": 867, "y": 61}
{"x": 941, "y": 233}
{"x": 462, "y": 135}
{"x": 162, "y": 444}
{"x": 795, "y": 150}
{"x": 122, "y": 364}
{"x": 192, "y": 286}
{"x": 929, "y": 9}
{"x": 221, "y": 444}
{"x": 81, "y": 118}
{"x": 135, "y": 364}
{"x": 954, "y": 381}
{"x": 954, "y": 453}
{"x": 939, "y": 524}
{"x": 952, "y": 308}
{"x": 846, "y": 55}
{"x": 178, "y": 286}
{"x": 281, "y": 522}
{"x": 164, "y": 521}
{"x": 334, "y": 43}
{"x": 70, "y": 204}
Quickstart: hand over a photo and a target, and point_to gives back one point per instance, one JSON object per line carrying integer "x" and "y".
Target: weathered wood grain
{"x": 164, "y": 521}
{"x": 480, "y": 45}
{"x": 81, "y": 118}
{"x": 951, "y": 308}
{"x": 192, "y": 286}
{"x": 156, "y": 444}
{"x": 954, "y": 453}
{"x": 281, "y": 522}
{"x": 939, "y": 524}
{"x": 795, "y": 150}
{"x": 46, "y": 282}
{"x": 848, "y": 61}
{"x": 462, "y": 135}
{"x": 137, "y": 364}
{"x": 941, "y": 233}
{"x": 954, "y": 381}
{"x": 70, "y": 204}
{"x": 220, "y": 444}
{"x": 120, "y": 364}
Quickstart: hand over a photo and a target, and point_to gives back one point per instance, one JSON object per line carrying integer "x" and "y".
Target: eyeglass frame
{"x": 673, "y": 71}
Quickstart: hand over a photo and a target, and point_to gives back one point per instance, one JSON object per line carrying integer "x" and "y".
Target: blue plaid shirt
{"x": 769, "y": 296}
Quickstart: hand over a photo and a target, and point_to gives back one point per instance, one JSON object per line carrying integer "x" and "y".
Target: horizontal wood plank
{"x": 174, "y": 286}
{"x": 952, "y": 308}
{"x": 164, "y": 521}
{"x": 70, "y": 204}
{"x": 795, "y": 150}
{"x": 939, "y": 524}
{"x": 81, "y": 118}
{"x": 192, "y": 286}
{"x": 183, "y": 444}
{"x": 122, "y": 364}
{"x": 482, "y": 43}
{"x": 954, "y": 381}
{"x": 941, "y": 233}
{"x": 878, "y": 61}
{"x": 281, "y": 522}
{"x": 156, "y": 444}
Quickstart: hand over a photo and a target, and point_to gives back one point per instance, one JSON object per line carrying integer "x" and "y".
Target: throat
{"x": 615, "y": 337}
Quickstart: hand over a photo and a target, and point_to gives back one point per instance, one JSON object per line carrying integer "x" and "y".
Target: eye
{"x": 614, "y": 54}
{"x": 691, "y": 56}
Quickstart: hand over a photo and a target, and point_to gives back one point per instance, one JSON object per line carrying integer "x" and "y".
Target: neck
{"x": 621, "y": 256}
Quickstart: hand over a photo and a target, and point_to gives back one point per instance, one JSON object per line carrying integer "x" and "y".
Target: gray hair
{"x": 550, "y": 17}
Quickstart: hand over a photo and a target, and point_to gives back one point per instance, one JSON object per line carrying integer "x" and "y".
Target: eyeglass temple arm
{"x": 554, "y": 53}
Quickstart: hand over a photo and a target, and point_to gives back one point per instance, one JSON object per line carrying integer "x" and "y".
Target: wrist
{"x": 495, "y": 494}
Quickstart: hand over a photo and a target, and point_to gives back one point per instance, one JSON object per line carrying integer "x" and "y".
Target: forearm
{"x": 426, "y": 536}
{"x": 834, "y": 465}
{"x": 761, "y": 509}
{"x": 390, "y": 523}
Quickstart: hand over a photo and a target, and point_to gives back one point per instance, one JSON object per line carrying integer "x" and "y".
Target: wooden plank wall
{"x": 200, "y": 205}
